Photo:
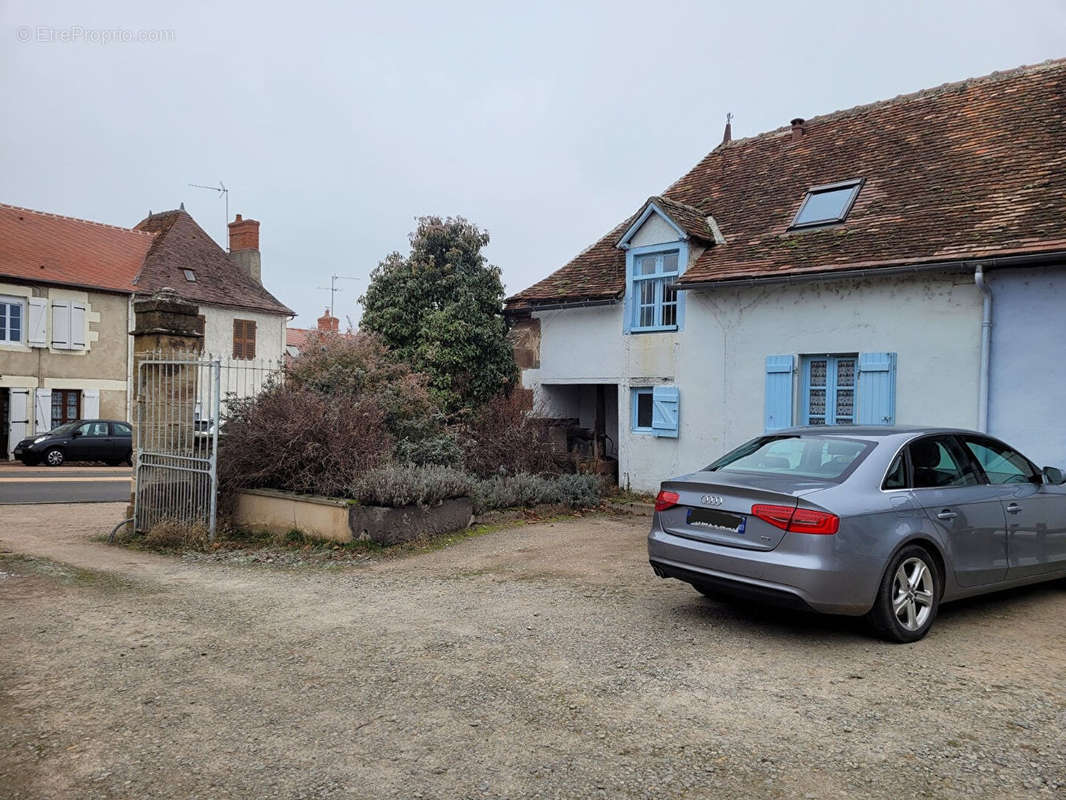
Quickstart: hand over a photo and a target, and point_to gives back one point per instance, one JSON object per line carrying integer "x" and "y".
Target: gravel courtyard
{"x": 537, "y": 661}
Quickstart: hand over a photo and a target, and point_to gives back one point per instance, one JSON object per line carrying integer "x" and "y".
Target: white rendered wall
{"x": 932, "y": 323}
{"x": 218, "y": 332}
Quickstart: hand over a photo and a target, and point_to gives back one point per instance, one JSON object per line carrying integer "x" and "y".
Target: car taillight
{"x": 665, "y": 500}
{"x": 807, "y": 521}
{"x": 797, "y": 520}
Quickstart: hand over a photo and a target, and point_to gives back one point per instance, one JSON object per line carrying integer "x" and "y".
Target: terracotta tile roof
{"x": 297, "y": 337}
{"x": 964, "y": 170}
{"x": 181, "y": 244}
{"x": 49, "y": 248}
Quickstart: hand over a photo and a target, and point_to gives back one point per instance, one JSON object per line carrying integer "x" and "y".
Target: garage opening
{"x": 584, "y": 422}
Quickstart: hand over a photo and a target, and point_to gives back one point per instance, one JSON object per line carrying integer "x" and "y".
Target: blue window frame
{"x": 10, "y": 320}
{"x": 656, "y": 410}
{"x": 829, "y": 389}
{"x": 653, "y": 302}
{"x": 643, "y": 409}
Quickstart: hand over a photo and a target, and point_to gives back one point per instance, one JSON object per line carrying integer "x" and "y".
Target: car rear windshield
{"x": 828, "y": 458}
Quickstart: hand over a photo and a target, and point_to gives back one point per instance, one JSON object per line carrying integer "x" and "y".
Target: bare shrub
{"x": 290, "y": 437}
{"x": 503, "y": 437}
{"x": 359, "y": 366}
{"x": 170, "y": 534}
{"x": 403, "y": 486}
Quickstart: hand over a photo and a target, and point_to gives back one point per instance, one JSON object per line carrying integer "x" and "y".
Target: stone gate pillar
{"x": 165, "y": 326}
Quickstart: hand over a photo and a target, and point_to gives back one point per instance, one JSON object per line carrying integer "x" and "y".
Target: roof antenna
{"x": 332, "y": 288}
{"x": 728, "y": 135}
{"x": 222, "y": 192}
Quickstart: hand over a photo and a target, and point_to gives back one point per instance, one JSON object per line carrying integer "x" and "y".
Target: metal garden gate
{"x": 178, "y": 417}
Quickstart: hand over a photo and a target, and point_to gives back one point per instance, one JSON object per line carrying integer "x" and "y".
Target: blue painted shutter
{"x": 627, "y": 300}
{"x": 665, "y": 406}
{"x": 877, "y": 389}
{"x": 779, "y": 392}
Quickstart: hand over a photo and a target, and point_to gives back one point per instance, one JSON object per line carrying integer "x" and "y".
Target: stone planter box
{"x": 341, "y": 521}
{"x": 395, "y": 525}
{"x": 281, "y": 512}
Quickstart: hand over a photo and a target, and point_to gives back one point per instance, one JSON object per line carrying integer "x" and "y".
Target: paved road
{"x": 74, "y": 484}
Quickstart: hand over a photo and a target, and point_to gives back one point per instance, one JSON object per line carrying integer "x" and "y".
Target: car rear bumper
{"x": 802, "y": 572}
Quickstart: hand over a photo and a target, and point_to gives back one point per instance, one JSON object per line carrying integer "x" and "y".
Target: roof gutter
{"x": 574, "y": 304}
{"x": 964, "y": 265}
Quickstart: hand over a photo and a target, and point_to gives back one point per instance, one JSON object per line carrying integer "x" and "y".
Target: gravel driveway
{"x": 539, "y": 661}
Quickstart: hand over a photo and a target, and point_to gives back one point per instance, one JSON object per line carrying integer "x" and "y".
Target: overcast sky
{"x": 546, "y": 123}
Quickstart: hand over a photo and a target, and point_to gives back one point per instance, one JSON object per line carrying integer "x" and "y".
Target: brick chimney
{"x": 798, "y": 128}
{"x": 244, "y": 247}
{"x": 328, "y": 322}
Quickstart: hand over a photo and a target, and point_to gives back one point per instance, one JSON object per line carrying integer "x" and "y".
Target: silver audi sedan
{"x": 882, "y": 522}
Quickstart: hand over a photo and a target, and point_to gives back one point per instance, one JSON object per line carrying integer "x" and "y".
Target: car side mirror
{"x": 1054, "y": 476}
{"x": 75, "y": 433}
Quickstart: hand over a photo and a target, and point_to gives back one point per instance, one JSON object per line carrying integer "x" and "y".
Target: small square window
{"x": 189, "y": 275}
{"x": 642, "y": 410}
{"x": 825, "y": 205}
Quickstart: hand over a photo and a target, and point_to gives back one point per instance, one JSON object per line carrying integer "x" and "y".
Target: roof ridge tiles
{"x": 920, "y": 94}
{"x": 76, "y": 219}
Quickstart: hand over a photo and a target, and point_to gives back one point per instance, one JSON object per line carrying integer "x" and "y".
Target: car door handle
{"x": 1013, "y": 508}
{"x": 947, "y": 513}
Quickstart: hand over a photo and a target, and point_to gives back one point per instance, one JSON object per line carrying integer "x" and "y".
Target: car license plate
{"x": 716, "y": 520}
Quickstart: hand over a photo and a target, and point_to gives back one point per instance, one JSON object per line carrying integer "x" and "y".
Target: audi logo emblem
{"x": 711, "y": 500}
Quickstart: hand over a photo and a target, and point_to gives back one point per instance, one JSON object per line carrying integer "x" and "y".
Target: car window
{"x": 1001, "y": 463}
{"x": 93, "y": 429}
{"x": 896, "y": 477}
{"x": 826, "y": 457}
{"x": 936, "y": 465}
{"x": 122, "y": 429}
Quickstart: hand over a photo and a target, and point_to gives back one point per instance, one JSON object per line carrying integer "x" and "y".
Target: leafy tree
{"x": 440, "y": 309}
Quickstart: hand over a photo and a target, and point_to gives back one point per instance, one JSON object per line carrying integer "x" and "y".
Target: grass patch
{"x": 295, "y": 548}
{"x": 18, "y": 565}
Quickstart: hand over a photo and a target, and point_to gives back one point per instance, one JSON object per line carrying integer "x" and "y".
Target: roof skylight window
{"x": 827, "y": 204}
{"x": 190, "y": 276}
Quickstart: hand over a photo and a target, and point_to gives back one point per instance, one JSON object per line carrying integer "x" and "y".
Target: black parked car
{"x": 104, "y": 440}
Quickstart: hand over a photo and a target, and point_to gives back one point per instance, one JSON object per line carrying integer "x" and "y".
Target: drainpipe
{"x": 986, "y": 349}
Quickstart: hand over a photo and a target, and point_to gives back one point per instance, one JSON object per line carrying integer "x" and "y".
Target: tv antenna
{"x": 222, "y": 192}
{"x": 332, "y": 288}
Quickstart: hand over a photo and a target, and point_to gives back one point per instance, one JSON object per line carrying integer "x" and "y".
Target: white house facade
{"x": 804, "y": 277}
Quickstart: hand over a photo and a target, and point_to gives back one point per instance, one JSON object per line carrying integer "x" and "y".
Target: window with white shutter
{"x": 69, "y": 325}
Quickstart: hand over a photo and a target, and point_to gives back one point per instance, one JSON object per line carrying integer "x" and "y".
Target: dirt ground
{"x": 539, "y": 661}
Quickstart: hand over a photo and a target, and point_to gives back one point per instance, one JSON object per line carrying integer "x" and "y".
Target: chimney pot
{"x": 798, "y": 128}
{"x": 244, "y": 246}
{"x": 328, "y": 322}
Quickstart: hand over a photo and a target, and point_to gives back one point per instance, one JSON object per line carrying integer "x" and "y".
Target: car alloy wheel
{"x": 912, "y": 594}
{"x": 908, "y": 598}
{"x": 54, "y": 457}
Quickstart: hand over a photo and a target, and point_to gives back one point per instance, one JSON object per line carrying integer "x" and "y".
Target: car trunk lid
{"x": 717, "y": 508}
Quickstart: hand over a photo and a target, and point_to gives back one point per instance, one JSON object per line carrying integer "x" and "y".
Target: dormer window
{"x": 825, "y": 205}
{"x": 190, "y": 276}
{"x": 655, "y": 293}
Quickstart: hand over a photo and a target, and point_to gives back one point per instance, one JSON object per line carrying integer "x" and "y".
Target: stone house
{"x": 66, "y": 308}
